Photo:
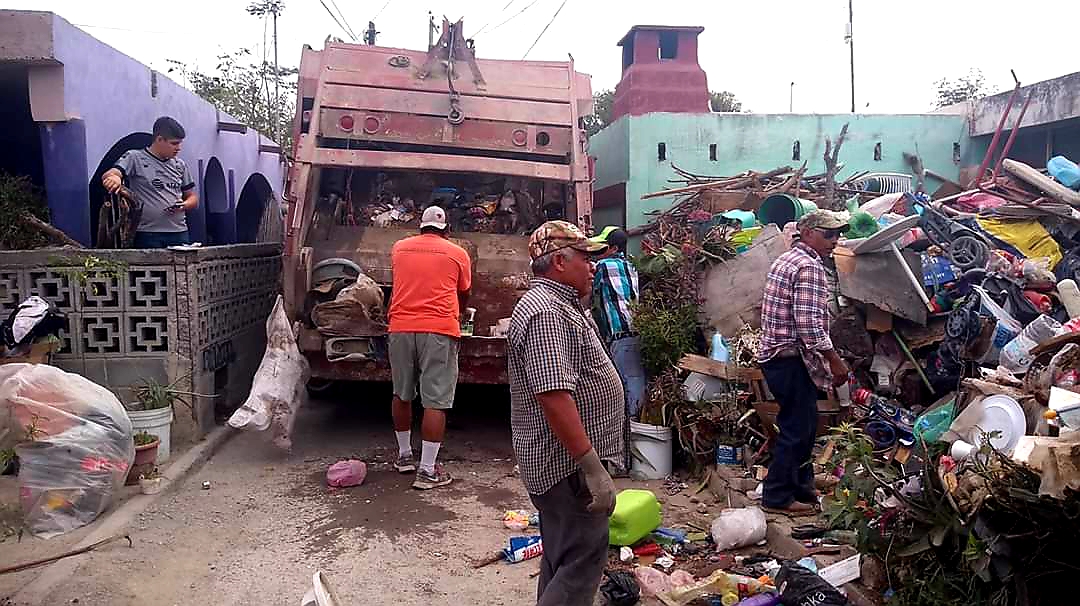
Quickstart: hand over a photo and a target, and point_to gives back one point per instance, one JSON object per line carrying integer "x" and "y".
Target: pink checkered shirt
{"x": 795, "y": 312}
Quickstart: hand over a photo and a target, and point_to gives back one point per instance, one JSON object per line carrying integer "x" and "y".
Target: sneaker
{"x": 427, "y": 481}
{"x": 405, "y": 464}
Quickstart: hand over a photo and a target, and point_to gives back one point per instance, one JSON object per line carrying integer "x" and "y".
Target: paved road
{"x": 268, "y": 521}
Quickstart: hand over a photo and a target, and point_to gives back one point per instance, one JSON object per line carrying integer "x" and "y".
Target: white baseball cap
{"x": 434, "y": 216}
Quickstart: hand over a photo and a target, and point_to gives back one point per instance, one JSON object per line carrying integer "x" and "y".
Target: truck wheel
{"x": 319, "y": 386}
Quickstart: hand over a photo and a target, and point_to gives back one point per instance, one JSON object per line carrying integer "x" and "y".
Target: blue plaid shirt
{"x": 615, "y": 287}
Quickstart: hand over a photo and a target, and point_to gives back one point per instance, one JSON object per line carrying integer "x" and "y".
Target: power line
{"x": 343, "y": 19}
{"x": 385, "y": 4}
{"x": 334, "y": 17}
{"x": 557, "y": 11}
{"x": 493, "y": 18}
{"x": 511, "y": 17}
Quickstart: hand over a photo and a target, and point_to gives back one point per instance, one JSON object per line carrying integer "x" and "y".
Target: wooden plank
{"x": 731, "y": 291}
{"x": 435, "y": 130}
{"x": 438, "y": 104}
{"x": 720, "y": 370}
{"x": 875, "y": 278}
{"x": 878, "y": 320}
{"x": 381, "y": 160}
{"x": 1044, "y": 184}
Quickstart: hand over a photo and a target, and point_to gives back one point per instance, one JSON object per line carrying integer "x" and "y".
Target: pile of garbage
{"x": 498, "y": 206}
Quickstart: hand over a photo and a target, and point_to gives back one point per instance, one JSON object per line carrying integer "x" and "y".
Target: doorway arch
{"x": 216, "y": 200}
{"x": 97, "y": 190}
{"x": 256, "y": 211}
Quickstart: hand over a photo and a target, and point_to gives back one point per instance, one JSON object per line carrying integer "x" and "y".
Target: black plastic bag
{"x": 620, "y": 589}
{"x": 801, "y": 587}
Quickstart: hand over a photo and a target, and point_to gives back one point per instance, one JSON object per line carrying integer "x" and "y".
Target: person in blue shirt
{"x": 615, "y": 290}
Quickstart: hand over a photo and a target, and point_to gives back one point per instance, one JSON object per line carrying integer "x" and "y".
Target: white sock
{"x": 428, "y": 455}
{"x": 404, "y": 443}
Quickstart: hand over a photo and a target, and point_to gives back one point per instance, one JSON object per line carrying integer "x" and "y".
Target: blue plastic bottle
{"x": 719, "y": 348}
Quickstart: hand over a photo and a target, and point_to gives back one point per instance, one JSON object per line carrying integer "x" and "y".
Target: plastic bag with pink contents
{"x": 345, "y": 473}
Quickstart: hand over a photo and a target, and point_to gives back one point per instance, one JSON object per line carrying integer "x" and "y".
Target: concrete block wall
{"x": 192, "y": 317}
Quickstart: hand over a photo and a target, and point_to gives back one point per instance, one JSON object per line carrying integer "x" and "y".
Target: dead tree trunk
{"x": 831, "y": 201}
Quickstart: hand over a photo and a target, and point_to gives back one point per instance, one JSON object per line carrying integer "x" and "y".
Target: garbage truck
{"x": 382, "y": 133}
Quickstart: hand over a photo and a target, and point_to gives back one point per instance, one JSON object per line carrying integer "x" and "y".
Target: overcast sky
{"x": 753, "y": 49}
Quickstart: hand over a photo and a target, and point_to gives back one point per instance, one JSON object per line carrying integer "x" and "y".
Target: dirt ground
{"x": 268, "y": 521}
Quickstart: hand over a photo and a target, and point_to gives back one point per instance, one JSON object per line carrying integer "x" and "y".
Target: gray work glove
{"x": 599, "y": 483}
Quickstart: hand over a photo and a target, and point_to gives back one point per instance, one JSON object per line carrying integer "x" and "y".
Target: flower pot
{"x": 144, "y": 461}
{"x": 150, "y": 485}
{"x": 158, "y": 422}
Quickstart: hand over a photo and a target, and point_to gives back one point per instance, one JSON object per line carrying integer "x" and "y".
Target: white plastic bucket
{"x": 156, "y": 422}
{"x": 651, "y": 450}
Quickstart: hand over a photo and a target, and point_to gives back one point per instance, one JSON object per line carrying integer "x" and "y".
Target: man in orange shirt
{"x": 432, "y": 278}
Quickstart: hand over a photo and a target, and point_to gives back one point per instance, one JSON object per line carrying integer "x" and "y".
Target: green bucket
{"x": 782, "y": 209}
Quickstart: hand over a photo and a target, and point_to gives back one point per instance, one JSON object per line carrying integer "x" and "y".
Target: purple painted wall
{"x": 86, "y": 96}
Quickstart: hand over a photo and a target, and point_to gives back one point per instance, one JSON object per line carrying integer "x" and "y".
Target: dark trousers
{"x": 791, "y": 474}
{"x": 575, "y": 545}
{"x": 160, "y": 239}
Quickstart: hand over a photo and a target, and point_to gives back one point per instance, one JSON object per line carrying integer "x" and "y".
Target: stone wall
{"x": 196, "y": 318}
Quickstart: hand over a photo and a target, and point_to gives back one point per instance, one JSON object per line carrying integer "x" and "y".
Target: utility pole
{"x": 277, "y": 74}
{"x": 851, "y": 49}
{"x": 369, "y": 35}
{"x": 791, "y": 99}
{"x": 431, "y": 27}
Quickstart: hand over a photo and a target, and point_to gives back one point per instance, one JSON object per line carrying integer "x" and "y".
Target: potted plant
{"x": 152, "y": 411}
{"x": 146, "y": 447}
{"x": 150, "y": 481}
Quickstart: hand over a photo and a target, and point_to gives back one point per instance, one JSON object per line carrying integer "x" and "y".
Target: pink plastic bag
{"x": 652, "y": 581}
{"x": 681, "y": 578}
{"x": 346, "y": 473}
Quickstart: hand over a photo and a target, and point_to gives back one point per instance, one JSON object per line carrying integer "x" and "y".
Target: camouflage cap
{"x": 557, "y": 235}
{"x": 823, "y": 219}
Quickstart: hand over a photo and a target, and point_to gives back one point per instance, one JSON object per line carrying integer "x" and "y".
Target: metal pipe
{"x": 1012, "y": 137}
{"x": 915, "y": 282}
{"x": 997, "y": 133}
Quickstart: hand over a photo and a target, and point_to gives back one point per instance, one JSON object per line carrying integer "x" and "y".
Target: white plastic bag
{"x": 74, "y": 442}
{"x": 736, "y": 528}
{"x": 277, "y": 391}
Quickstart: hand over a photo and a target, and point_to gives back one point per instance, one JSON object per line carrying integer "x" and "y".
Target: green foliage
{"x": 7, "y": 455}
{"x": 89, "y": 270}
{"x": 19, "y": 197}
{"x": 667, "y": 334}
{"x": 724, "y": 101}
{"x": 244, "y": 88}
{"x": 964, "y": 88}
{"x": 143, "y": 438}
{"x": 601, "y": 116}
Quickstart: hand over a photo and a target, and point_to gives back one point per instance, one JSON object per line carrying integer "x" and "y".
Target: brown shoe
{"x": 795, "y": 509}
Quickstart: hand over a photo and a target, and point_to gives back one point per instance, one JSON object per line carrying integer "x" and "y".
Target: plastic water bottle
{"x": 720, "y": 351}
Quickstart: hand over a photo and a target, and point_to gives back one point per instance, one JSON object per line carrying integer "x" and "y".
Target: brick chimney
{"x": 660, "y": 72}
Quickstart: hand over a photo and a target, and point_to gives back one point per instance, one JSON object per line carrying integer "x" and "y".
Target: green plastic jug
{"x": 637, "y": 513}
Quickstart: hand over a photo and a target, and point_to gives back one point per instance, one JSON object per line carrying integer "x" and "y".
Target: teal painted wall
{"x": 762, "y": 142}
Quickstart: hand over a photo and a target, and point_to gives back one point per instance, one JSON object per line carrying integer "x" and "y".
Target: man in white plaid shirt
{"x": 567, "y": 412}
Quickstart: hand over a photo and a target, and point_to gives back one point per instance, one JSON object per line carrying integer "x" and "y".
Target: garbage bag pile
{"x": 74, "y": 442}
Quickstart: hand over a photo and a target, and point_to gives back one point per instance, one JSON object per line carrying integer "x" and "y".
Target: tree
{"x": 724, "y": 101}
{"x": 601, "y": 116}
{"x": 237, "y": 87}
{"x": 969, "y": 87}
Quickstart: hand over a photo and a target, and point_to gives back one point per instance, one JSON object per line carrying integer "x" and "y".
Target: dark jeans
{"x": 791, "y": 474}
{"x": 575, "y": 545}
{"x": 160, "y": 239}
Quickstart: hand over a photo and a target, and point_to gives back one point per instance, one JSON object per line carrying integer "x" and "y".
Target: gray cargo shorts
{"x": 426, "y": 358}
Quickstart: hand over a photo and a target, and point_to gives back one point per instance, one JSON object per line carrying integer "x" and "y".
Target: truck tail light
{"x": 346, "y": 123}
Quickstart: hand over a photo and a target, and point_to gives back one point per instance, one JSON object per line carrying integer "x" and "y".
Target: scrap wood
{"x": 719, "y": 370}
{"x": 49, "y": 230}
{"x": 495, "y": 557}
{"x": 1044, "y": 183}
{"x": 66, "y": 554}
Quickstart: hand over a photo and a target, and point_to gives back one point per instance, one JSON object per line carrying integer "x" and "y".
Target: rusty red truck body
{"x": 412, "y": 128}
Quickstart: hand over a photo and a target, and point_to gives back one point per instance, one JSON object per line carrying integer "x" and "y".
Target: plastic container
{"x": 156, "y": 422}
{"x": 744, "y": 217}
{"x": 719, "y": 351}
{"x": 1005, "y": 330}
{"x": 1065, "y": 171}
{"x": 1070, "y": 297}
{"x": 637, "y": 513}
{"x": 653, "y": 443}
{"x": 782, "y": 209}
{"x": 1016, "y": 355}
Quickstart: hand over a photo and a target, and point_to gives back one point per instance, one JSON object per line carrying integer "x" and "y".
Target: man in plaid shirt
{"x": 566, "y": 412}
{"x": 797, "y": 357}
